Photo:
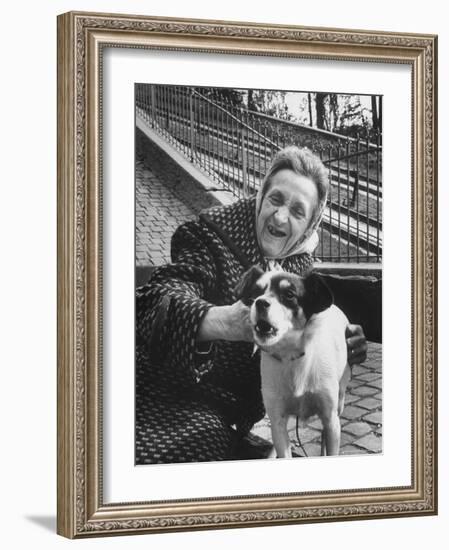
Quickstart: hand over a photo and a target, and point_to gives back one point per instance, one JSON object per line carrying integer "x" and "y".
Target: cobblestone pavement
{"x": 361, "y": 420}
{"x": 159, "y": 211}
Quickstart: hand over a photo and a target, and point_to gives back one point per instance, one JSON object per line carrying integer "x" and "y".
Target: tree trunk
{"x": 375, "y": 113}
{"x": 380, "y": 115}
{"x": 320, "y": 110}
{"x": 333, "y": 112}
{"x": 251, "y": 104}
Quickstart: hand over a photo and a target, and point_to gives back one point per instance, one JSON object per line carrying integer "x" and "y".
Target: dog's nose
{"x": 262, "y": 305}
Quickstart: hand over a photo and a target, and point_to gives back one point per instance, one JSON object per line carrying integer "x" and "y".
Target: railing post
{"x": 153, "y": 105}
{"x": 355, "y": 191}
{"x": 167, "y": 112}
{"x": 244, "y": 163}
{"x": 192, "y": 126}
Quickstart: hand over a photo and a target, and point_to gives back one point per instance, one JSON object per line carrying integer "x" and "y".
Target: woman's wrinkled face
{"x": 286, "y": 212}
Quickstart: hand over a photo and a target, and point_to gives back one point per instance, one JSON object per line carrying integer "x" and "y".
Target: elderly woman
{"x": 198, "y": 381}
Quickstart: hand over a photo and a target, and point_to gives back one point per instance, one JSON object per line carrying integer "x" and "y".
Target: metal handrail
{"x": 239, "y": 120}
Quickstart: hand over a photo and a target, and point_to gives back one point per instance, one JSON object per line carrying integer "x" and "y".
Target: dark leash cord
{"x": 299, "y": 439}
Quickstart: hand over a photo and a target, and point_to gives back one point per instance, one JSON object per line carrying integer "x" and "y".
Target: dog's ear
{"x": 244, "y": 287}
{"x": 317, "y": 295}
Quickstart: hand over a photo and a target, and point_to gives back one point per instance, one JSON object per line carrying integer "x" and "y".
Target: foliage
{"x": 345, "y": 114}
{"x": 231, "y": 96}
{"x": 269, "y": 102}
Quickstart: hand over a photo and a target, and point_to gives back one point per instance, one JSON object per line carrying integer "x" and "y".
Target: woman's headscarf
{"x": 302, "y": 162}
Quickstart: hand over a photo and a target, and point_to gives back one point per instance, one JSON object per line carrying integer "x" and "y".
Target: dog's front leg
{"x": 279, "y": 432}
{"x": 331, "y": 434}
{"x": 342, "y": 388}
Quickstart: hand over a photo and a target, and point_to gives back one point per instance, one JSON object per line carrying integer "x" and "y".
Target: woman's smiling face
{"x": 286, "y": 212}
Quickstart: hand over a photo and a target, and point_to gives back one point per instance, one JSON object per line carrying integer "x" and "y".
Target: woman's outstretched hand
{"x": 226, "y": 323}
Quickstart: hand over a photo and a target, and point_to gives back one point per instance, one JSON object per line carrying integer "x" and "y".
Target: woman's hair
{"x": 304, "y": 163}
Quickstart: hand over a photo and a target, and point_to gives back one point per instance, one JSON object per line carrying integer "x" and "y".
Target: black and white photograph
{"x": 258, "y": 250}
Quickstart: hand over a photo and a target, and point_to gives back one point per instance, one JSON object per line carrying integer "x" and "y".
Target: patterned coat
{"x": 209, "y": 257}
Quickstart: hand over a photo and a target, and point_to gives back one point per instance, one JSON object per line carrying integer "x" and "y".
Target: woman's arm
{"x": 171, "y": 306}
{"x": 176, "y": 312}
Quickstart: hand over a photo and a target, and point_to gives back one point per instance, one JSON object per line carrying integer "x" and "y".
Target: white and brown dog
{"x": 304, "y": 366}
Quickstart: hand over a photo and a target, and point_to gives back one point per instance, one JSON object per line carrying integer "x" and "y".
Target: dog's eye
{"x": 289, "y": 295}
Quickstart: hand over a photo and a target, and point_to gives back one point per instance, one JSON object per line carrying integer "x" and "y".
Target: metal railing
{"x": 235, "y": 146}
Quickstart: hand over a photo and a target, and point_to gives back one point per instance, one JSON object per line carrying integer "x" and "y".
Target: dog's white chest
{"x": 291, "y": 389}
{"x": 301, "y": 386}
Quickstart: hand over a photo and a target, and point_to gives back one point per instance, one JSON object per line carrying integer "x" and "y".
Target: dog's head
{"x": 281, "y": 301}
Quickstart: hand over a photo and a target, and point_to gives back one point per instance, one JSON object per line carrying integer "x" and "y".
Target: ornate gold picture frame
{"x": 83, "y": 39}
